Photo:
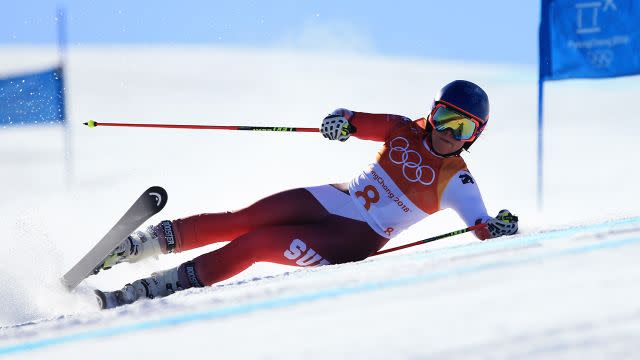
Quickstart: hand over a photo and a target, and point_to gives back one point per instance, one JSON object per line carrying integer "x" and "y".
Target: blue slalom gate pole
{"x": 540, "y": 177}
{"x": 61, "y": 20}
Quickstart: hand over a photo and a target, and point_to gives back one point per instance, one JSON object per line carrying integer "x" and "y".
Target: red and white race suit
{"x": 408, "y": 181}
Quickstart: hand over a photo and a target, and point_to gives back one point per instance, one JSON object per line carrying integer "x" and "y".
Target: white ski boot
{"x": 137, "y": 246}
{"x": 160, "y": 284}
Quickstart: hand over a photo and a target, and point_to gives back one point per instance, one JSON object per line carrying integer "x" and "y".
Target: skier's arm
{"x": 463, "y": 195}
{"x": 343, "y": 122}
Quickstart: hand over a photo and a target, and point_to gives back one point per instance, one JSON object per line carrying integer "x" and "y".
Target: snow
{"x": 564, "y": 287}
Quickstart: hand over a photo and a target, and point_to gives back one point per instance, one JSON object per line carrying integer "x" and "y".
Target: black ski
{"x": 147, "y": 205}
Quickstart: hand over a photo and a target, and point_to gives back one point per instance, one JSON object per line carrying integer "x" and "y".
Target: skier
{"x": 418, "y": 171}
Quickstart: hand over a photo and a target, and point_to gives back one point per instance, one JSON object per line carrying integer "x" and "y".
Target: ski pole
{"x": 453, "y": 233}
{"x": 93, "y": 124}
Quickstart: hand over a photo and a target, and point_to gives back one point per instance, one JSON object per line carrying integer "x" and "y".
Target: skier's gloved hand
{"x": 336, "y": 127}
{"x": 505, "y": 223}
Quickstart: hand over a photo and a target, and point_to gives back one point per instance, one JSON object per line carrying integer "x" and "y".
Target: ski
{"x": 147, "y": 205}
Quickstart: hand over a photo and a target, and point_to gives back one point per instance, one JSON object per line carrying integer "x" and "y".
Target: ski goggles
{"x": 465, "y": 127}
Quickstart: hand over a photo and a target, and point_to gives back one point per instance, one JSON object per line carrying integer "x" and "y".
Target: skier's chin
{"x": 449, "y": 153}
{"x": 444, "y": 146}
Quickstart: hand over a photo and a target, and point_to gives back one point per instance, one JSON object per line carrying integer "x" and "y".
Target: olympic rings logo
{"x": 601, "y": 59}
{"x": 411, "y": 162}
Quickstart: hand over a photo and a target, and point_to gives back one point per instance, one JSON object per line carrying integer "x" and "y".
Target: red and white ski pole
{"x": 453, "y": 233}
{"x": 93, "y": 124}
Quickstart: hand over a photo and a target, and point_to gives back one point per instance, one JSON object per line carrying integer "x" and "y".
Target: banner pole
{"x": 61, "y": 20}
{"x": 543, "y": 71}
{"x": 540, "y": 188}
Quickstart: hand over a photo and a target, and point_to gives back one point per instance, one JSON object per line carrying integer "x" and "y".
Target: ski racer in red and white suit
{"x": 329, "y": 224}
{"x": 339, "y": 223}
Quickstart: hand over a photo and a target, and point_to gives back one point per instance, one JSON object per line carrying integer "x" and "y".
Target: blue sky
{"x": 466, "y": 30}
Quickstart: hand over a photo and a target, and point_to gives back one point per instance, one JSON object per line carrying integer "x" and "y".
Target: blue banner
{"x": 589, "y": 38}
{"x": 36, "y": 98}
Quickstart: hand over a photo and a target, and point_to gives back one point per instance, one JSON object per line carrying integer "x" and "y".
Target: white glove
{"x": 504, "y": 223}
{"x": 336, "y": 127}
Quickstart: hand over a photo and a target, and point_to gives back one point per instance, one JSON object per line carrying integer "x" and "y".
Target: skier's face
{"x": 444, "y": 143}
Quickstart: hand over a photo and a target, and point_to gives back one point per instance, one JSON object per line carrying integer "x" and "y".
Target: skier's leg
{"x": 289, "y": 207}
{"x": 332, "y": 241}
{"x": 335, "y": 240}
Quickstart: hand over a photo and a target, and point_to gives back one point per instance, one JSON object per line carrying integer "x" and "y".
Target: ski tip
{"x": 158, "y": 196}
{"x": 91, "y": 123}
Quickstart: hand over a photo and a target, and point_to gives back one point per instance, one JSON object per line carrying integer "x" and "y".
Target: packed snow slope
{"x": 558, "y": 293}
{"x": 565, "y": 286}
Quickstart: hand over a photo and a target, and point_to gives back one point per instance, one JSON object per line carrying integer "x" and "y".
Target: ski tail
{"x": 148, "y": 204}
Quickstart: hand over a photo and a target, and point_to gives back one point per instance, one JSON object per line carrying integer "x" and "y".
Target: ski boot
{"x": 158, "y": 285}
{"x": 139, "y": 245}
